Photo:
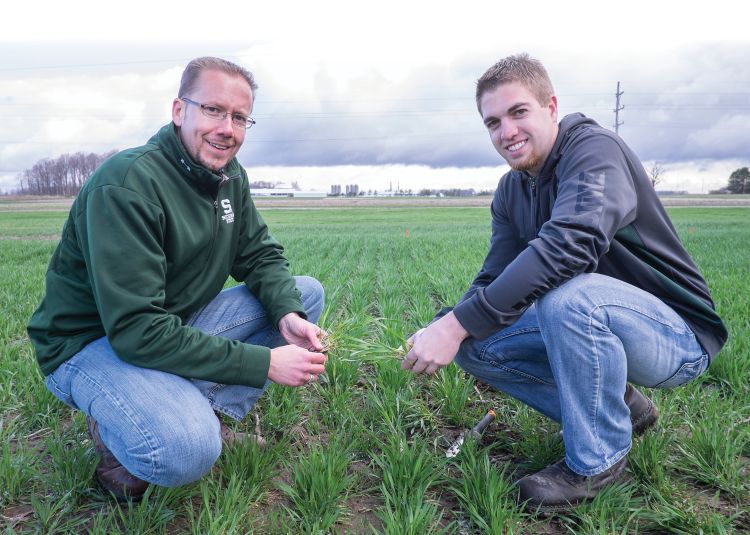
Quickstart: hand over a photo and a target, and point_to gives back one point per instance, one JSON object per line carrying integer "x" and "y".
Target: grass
{"x": 363, "y": 450}
{"x": 319, "y": 486}
{"x": 485, "y": 492}
{"x": 410, "y": 473}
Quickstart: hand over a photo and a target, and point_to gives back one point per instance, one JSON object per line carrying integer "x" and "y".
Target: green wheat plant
{"x": 485, "y": 492}
{"x": 450, "y": 393}
{"x": 319, "y": 485}
{"x": 362, "y": 450}
{"x": 409, "y": 472}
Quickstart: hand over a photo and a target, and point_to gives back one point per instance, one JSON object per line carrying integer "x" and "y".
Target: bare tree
{"x": 656, "y": 173}
{"x": 63, "y": 175}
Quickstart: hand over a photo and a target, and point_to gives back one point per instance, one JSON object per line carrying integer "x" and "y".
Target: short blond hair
{"x": 207, "y": 63}
{"x": 517, "y": 68}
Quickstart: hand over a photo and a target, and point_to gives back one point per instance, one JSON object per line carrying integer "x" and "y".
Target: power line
{"x": 174, "y": 61}
{"x": 255, "y": 140}
{"x": 87, "y": 65}
{"x": 72, "y": 113}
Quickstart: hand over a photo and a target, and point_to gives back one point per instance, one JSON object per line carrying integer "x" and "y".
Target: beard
{"x": 533, "y": 161}
{"x": 210, "y": 165}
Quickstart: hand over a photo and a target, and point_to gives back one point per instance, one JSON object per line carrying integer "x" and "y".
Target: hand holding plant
{"x": 294, "y": 366}
{"x": 300, "y": 332}
{"x": 435, "y": 346}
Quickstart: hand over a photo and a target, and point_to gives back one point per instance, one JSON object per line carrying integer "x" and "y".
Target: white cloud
{"x": 698, "y": 176}
{"x": 388, "y": 83}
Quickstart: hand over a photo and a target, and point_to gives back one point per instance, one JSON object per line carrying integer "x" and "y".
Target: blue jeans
{"x": 161, "y": 426}
{"x": 570, "y": 355}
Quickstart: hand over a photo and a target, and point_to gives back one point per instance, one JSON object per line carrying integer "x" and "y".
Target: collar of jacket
{"x": 199, "y": 176}
{"x": 567, "y": 126}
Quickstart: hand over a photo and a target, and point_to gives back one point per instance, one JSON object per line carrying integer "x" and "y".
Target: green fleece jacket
{"x": 151, "y": 238}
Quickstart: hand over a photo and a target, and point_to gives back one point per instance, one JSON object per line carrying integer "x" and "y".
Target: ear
{"x": 552, "y": 106}
{"x": 178, "y": 108}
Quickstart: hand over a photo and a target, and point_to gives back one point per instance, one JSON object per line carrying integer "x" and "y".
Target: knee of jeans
{"x": 189, "y": 455}
{"x": 467, "y": 357}
{"x": 557, "y": 302}
{"x": 313, "y": 296}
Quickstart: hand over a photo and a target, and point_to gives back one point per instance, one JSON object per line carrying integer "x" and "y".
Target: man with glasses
{"x": 586, "y": 287}
{"x": 134, "y": 328}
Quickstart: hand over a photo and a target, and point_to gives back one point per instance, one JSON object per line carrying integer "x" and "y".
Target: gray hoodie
{"x": 592, "y": 209}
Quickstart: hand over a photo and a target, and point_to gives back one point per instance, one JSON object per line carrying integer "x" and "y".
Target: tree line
{"x": 61, "y": 176}
{"x": 66, "y": 174}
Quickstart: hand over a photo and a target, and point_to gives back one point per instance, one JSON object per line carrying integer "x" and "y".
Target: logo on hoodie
{"x": 228, "y": 216}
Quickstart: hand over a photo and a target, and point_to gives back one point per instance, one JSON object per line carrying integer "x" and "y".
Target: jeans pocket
{"x": 686, "y": 373}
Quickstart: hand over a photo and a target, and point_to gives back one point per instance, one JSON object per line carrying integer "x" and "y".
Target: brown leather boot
{"x": 230, "y": 437}
{"x": 110, "y": 474}
{"x": 643, "y": 412}
{"x": 558, "y": 488}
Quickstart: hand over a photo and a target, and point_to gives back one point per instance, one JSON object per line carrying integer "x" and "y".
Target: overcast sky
{"x": 380, "y": 93}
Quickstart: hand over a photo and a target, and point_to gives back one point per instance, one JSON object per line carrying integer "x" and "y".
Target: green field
{"x": 362, "y": 451}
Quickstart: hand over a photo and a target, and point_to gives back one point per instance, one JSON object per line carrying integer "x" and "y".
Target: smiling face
{"x": 522, "y": 130}
{"x": 210, "y": 142}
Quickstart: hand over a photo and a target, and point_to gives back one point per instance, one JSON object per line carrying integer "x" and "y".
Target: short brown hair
{"x": 517, "y": 68}
{"x": 207, "y": 63}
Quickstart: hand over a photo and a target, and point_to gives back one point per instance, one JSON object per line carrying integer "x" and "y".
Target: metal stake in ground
{"x": 474, "y": 432}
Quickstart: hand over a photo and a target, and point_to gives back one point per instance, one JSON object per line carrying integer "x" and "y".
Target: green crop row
{"x": 363, "y": 450}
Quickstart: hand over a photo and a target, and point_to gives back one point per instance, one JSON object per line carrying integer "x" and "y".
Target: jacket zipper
{"x": 534, "y": 229}
{"x": 215, "y": 203}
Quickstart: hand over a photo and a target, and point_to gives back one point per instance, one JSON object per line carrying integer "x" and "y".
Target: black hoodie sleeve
{"x": 595, "y": 197}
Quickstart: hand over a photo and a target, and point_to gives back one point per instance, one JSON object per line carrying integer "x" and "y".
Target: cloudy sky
{"x": 378, "y": 93}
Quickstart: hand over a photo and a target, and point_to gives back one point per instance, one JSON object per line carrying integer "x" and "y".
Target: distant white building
{"x": 286, "y": 192}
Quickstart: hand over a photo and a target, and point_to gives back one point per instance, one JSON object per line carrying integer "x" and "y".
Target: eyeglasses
{"x": 238, "y": 120}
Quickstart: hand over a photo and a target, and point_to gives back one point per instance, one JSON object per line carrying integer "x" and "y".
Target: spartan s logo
{"x": 228, "y": 216}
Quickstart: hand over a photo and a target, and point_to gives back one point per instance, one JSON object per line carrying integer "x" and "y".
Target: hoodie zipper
{"x": 534, "y": 203}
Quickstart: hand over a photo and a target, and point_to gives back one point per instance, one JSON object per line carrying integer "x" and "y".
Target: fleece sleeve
{"x": 122, "y": 242}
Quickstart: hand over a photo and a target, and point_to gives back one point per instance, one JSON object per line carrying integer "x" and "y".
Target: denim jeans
{"x": 570, "y": 355}
{"x": 161, "y": 426}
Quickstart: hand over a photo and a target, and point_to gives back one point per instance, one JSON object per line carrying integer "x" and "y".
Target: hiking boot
{"x": 643, "y": 412}
{"x": 110, "y": 474}
{"x": 558, "y": 488}
{"x": 230, "y": 437}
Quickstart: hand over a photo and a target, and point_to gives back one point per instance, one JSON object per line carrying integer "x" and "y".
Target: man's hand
{"x": 435, "y": 346}
{"x": 302, "y": 333}
{"x": 294, "y": 366}
{"x": 414, "y": 337}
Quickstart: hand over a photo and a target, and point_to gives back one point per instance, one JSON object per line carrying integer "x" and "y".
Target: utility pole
{"x": 617, "y": 109}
